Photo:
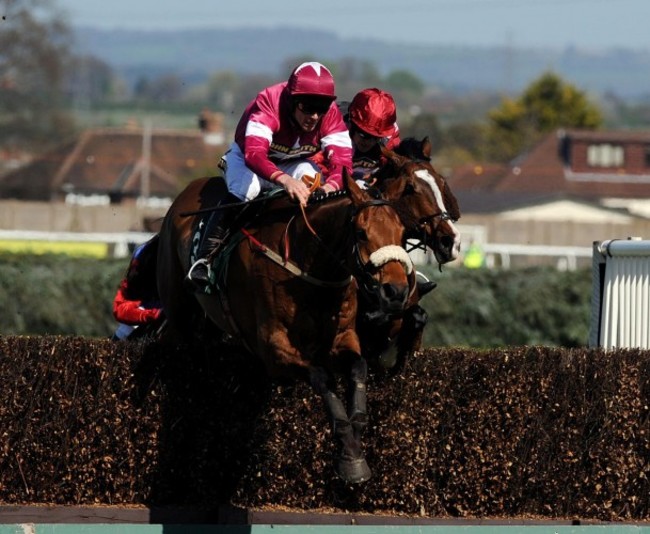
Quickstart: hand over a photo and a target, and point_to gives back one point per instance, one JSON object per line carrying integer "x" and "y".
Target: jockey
{"x": 278, "y": 132}
{"x": 136, "y": 302}
{"x": 372, "y": 121}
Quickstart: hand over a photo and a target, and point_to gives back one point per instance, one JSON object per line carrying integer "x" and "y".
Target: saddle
{"x": 245, "y": 214}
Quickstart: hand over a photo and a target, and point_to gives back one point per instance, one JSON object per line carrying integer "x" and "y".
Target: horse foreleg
{"x": 357, "y": 387}
{"x": 351, "y": 466}
{"x": 409, "y": 339}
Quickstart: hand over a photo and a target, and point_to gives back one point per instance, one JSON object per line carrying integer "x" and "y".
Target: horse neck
{"x": 330, "y": 242}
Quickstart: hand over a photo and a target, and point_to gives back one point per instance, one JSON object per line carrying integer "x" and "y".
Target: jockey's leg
{"x": 216, "y": 231}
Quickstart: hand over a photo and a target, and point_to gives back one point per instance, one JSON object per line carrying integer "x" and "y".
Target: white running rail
{"x": 121, "y": 241}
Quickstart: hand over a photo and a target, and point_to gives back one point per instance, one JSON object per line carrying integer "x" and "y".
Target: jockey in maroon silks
{"x": 277, "y": 134}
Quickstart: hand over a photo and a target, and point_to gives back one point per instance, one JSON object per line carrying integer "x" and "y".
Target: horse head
{"x": 381, "y": 266}
{"x": 425, "y": 202}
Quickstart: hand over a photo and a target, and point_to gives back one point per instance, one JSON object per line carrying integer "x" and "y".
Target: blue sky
{"x": 587, "y": 24}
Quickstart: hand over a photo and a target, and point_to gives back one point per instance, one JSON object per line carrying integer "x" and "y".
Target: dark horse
{"x": 287, "y": 287}
{"x": 427, "y": 206}
{"x": 428, "y": 209}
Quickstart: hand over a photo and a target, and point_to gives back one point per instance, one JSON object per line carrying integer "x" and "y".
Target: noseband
{"x": 369, "y": 287}
{"x": 430, "y": 219}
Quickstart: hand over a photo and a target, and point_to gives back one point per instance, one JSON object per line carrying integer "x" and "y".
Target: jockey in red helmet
{"x": 277, "y": 134}
{"x": 372, "y": 118}
{"x": 372, "y": 121}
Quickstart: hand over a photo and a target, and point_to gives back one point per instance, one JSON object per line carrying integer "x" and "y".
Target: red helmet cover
{"x": 373, "y": 111}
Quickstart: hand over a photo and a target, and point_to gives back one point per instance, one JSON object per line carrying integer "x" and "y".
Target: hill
{"x": 195, "y": 54}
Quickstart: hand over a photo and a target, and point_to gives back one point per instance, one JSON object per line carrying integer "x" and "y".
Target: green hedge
{"x": 492, "y": 308}
{"x": 56, "y": 294}
{"x": 477, "y": 308}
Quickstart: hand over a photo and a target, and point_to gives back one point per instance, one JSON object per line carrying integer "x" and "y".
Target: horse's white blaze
{"x": 389, "y": 253}
{"x": 425, "y": 175}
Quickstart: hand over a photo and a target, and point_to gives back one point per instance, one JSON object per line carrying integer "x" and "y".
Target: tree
{"x": 421, "y": 125}
{"x": 163, "y": 89}
{"x": 89, "y": 80}
{"x": 547, "y": 104}
{"x": 34, "y": 49}
{"x": 403, "y": 81}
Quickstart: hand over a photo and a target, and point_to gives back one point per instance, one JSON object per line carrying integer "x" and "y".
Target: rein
{"x": 290, "y": 266}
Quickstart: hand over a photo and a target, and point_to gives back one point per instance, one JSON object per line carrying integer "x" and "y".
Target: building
{"x": 575, "y": 187}
{"x": 83, "y": 185}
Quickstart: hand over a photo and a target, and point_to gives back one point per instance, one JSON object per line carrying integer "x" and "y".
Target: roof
{"x": 549, "y": 171}
{"x": 110, "y": 161}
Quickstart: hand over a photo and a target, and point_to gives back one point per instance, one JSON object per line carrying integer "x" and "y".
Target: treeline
{"x": 58, "y": 295}
{"x": 48, "y": 93}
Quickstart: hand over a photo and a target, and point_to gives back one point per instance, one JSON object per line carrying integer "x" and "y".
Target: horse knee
{"x": 359, "y": 370}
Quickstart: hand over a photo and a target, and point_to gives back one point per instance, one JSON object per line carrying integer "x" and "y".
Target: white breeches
{"x": 246, "y": 185}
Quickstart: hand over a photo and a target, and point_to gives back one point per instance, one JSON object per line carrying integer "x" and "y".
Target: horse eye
{"x": 409, "y": 189}
{"x": 361, "y": 235}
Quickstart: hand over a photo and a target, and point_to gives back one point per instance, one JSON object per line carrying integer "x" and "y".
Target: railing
{"x": 502, "y": 254}
{"x": 120, "y": 244}
{"x": 620, "y": 314}
{"x": 117, "y": 245}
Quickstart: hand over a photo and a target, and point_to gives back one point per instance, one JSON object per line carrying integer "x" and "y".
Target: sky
{"x": 586, "y": 24}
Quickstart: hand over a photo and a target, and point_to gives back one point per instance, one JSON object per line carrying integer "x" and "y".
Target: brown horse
{"x": 428, "y": 209}
{"x": 287, "y": 287}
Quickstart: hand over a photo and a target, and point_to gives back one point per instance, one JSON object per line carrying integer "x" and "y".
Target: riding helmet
{"x": 312, "y": 79}
{"x": 373, "y": 111}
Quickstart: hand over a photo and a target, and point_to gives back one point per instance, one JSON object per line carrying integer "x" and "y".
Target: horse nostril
{"x": 395, "y": 293}
{"x": 446, "y": 242}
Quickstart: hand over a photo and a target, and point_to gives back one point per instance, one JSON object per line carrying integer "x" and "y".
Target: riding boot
{"x": 215, "y": 234}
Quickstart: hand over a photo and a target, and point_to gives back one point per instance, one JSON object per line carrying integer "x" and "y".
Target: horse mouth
{"x": 445, "y": 249}
{"x": 389, "y": 304}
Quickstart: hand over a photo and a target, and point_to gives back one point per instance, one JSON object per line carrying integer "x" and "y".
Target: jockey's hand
{"x": 295, "y": 188}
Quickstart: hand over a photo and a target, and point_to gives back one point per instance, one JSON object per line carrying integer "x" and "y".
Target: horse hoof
{"x": 353, "y": 471}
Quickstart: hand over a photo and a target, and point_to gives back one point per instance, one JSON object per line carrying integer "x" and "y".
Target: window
{"x": 605, "y": 155}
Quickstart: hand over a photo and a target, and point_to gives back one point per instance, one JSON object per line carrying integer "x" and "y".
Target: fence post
{"x": 620, "y": 312}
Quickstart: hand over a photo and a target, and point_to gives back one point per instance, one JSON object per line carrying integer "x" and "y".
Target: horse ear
{"x": 393, "y": 157}
{"x": 426, "y": 147}
{"x": 357, "y": 194}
